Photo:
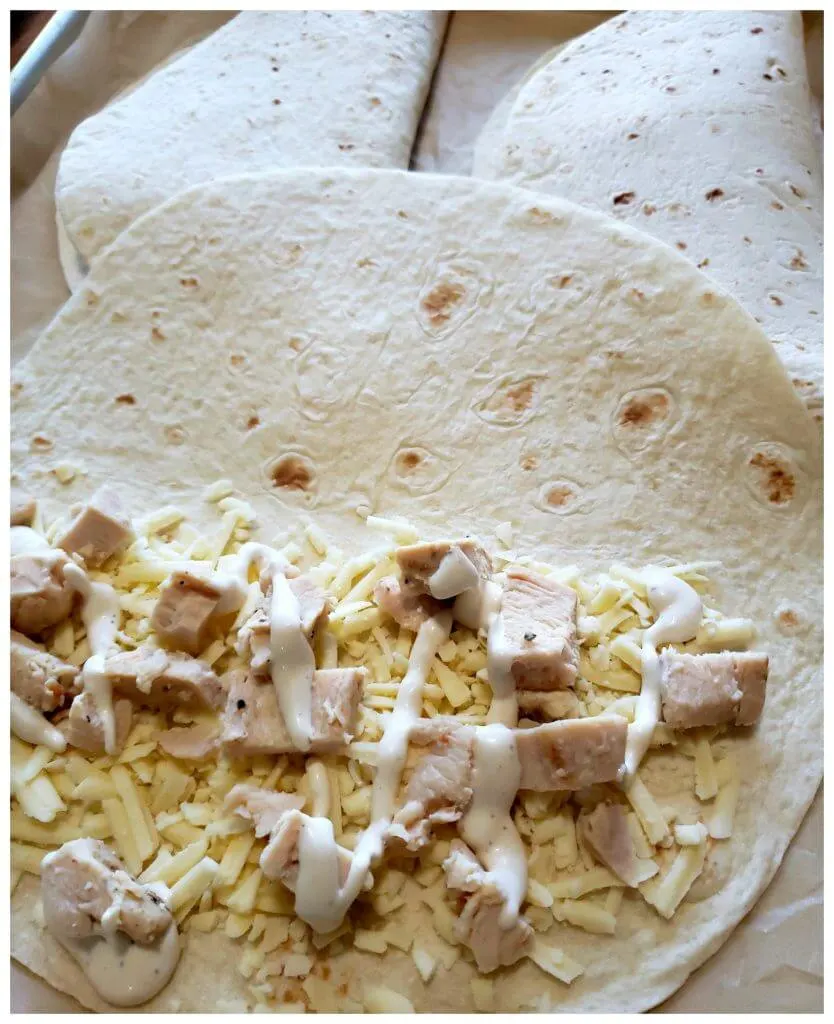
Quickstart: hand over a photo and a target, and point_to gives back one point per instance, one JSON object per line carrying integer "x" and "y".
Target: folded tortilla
{"x": 268, "y": 90}
{"x": 463, "y": 354}
{"x": 697, "y": 128}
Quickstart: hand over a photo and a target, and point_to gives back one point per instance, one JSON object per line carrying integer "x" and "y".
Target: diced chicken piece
{"x": 99, "y": 530}
{"x": 551, "y": 706}
{"x": 712, "y": 689}
{"x": 605, "y": 830}
{"x": 444, "y": 568}
{"x": 195, "y": 743}
{"x": 156, "y": 678}
{"x": 572, "y": 754}
{"x": 253, "y": 723}
{"x": 254, "y": 634}
{"x": 277, "y": 815}
{"x": 22, "y": 508}
{"x": 84, "y": 726}
{"x": 83, "y": 881}
{"x": 406, "y": 605}
{"x": 39, "y": 595}
{"x": 438, "y": 787}
{"x": 539, "y": 634}
{"x": 479, "y": 926}
{"x": 37, "y": 676}
{"x": 182, "y": 616}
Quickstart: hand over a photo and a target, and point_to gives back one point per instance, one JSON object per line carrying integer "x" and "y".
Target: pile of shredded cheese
{"x": 165, "y": 817}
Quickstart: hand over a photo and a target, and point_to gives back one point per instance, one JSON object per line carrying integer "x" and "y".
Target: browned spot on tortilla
{"x": 409, "y": 459}
{"x": 236, "y": 359}
{"x": 189, "y": 282}
{"x": 375, "y": 101}
{"x": 440, "y": 301}
{"x": 649, "y": 209}
{"x": 756, "y": 31}
{"x": 767, "y": 76}
{"x": 632, "y": 135}
{"x": 644, "y": 409}
{"x": 788, "y": 618}
{"x": 776, "y": 205}
{"x": 703, "y": 263}
{"x": 366, "y": 261}
{"x": 326, "y": 971}
{"x": 797, "y": 192}
{"x": 174, "y": 435}
{"x": 565, "y": 280}
{"x": 680, "y": 245}
{"x": 540, "y": 216}
{"x": 293, "y": 472}
{"x": 776, "y": 300}
{"x": 16, "y": 387}
{"x": 277, "y": 103}
{"x": 716, "y": 71}
{"x": 296, "y": 344}
{"x": 623, "y": 198}
{"x": 402, "y": 214}
{"x": 126, "y": 399}
{"x": 253, "y": 422}
{"x": 638, "y": 294}
{"x": 91, "y": 298}
{"x": 779, "y": 482}
{"x": 714, "y": 193}
{"x": 343, "y": 989}
{"x": 41, "y": 443}
{"x": 520, "y": 397}
{"x": 671, "y": 88}
{"x": 708, "y": 298}
{"x": 614, "y": 354}
{"x": 558, "y": 495}
{"x": 747, "y": 239}
{"x": 529, "y": 462}
{"x": 157, "y": 335}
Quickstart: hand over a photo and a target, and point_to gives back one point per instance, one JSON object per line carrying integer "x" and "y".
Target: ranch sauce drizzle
{"x": 100, "y": 615}
{"x": 504, "y": 707}
{"x": 123, "y": 973}
{"x": 292, "y": 662}
{"x": 679, "y": 612}
{"x": 487, "y": 825}
{"x": 319, "y": 899}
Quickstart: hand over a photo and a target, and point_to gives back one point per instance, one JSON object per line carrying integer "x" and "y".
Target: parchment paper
{"x": 774, "y": 960}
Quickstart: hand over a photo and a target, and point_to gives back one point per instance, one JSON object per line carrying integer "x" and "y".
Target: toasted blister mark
{"x": 510, "y": 401}
{"x": 419, "y": 470}
{"x": 773, "y": 477}
{"x": 642, "y": 417}
{"x": 790, "y": 620}
{"x": 454, "y": 289}
{"x": 292, "y": 471}
{"x": 561, "y": 498}
{"x": 558, "y": 290}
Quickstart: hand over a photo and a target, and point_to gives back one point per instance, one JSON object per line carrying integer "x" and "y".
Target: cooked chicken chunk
{"x": 406, "y": 605}
{"x": 157, "y": 678}
{"x": 573, "y": 754}
{"x": 84, "y": 726}
{"x": 99, "y": 530}
{"x": 37, "y": 676}
{"x": 605, "y": 830}
{"x": 22, "y": 508}
{"x": 263, "y": 807}
{"x": 479, "y": 926}
{"x": 253, "y": 723}
{"x": 712, "y": 689}
{"x": 40, "y": 597}
{"x": 539, "y": 631}
{"x": 195, "y": 743}
{"x": 549, "y": 706}
{"x": 444, "y": 568}
{"x": 438, "y": 784}
{"x": 182, "y": 616}
{"x": 254, "y": 634}
{"x": 83, "y": 880}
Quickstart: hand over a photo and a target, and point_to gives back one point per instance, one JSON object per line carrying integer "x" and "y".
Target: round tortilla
{"x": 696, "y": 127}
{"x": 462, "y": 354}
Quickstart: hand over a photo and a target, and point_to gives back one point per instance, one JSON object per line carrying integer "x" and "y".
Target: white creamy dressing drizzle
{"x": 488, "y": 826}
{"x": 455, "y": 575}
{"x": 319, "y": 899}
{"x": 504, "y": 707}
{"x": 679, "y": 610}
{"x": 123, "y": 973}
{"x": 29, "y": 725}
{"x": 100, "y": 615}
{"x": 292, "y": 661}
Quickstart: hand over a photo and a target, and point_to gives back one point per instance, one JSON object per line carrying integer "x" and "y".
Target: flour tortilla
{"x": 268, "y": 90}
{"x": 634, "y": 120}
{"x": 314, "y": 301}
